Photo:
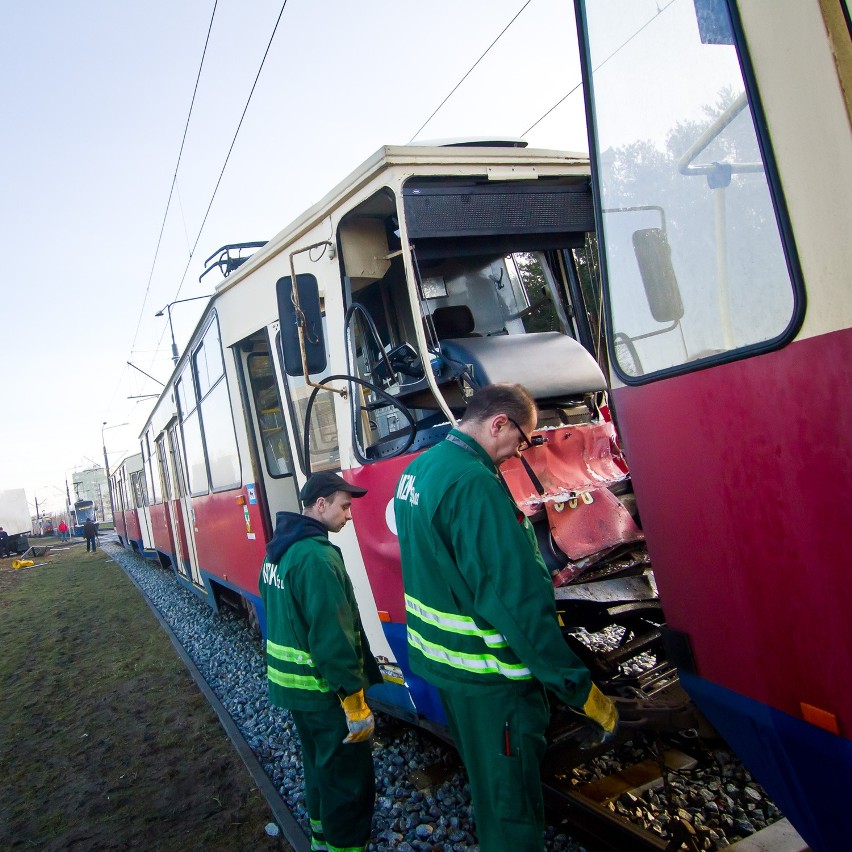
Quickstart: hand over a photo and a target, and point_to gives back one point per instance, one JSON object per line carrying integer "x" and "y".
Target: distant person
{"x": 4, "y": 543}
{"x": 319, "y": 662}
{"x": 63, "y": 531}
{"x": 90, "y": 533}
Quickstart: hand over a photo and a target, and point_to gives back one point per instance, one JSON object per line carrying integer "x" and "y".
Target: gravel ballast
{"x": 720, "y": 803}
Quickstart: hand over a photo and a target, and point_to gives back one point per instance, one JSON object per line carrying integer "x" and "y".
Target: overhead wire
{"x": 601, "y": 64}
{"x": 469, "y": 71}
{"x": 174, "y": 176}
{"x": 224, "y": 165}
{"x": 231, "y": 148}
{"x": 171, "y": 193}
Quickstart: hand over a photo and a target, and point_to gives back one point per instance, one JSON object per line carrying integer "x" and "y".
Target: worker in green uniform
{"x": 481, "y": 615}
{"x": 319, "y": 662}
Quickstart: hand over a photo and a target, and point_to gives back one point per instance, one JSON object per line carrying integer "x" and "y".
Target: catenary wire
{"x": 452, "y": 91}
{"x": 174, "y": 176}
{"x": 601, "y": 64}
{"x": 169, "y": 200}
{"x": 225, "y": 164}
{"x": 231, "y": 148}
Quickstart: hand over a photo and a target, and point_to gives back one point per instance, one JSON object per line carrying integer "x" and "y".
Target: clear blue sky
{"x": 95, "y": 98}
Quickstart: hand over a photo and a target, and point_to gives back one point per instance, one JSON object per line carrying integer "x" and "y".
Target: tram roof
{"x": 414, "y": 157}
{"x": 468, "y": 153}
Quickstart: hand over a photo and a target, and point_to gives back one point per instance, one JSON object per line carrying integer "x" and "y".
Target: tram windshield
{"x": 693, "y": 255}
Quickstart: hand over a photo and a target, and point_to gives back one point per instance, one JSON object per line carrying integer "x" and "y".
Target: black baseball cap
{"x": 324, "y": 483}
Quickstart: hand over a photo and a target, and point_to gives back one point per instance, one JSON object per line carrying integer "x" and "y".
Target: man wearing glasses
{"x": 481, "y": 615}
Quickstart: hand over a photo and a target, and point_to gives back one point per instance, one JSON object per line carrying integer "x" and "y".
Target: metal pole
{"x": 168, "y": 309}
{"x": 106, "y": 468}
{"x": 172, "y": 332}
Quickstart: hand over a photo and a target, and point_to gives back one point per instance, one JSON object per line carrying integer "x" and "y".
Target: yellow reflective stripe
{"x": 288, "y": 655}
{"x": 296, "y": 656}
{"x": 473, "y": 663}
{"x": 294, "y": 681}
{"x": 454, "y": 623}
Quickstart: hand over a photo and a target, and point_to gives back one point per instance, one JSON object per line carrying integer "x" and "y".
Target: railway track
{"x": 642, "y": 793}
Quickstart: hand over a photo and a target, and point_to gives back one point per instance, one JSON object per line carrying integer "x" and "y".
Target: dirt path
{"x": 105, "y": 741}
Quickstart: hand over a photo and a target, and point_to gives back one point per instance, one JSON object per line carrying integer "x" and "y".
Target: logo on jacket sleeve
{"x": 406, "y": 491}
{"x": 269, "y": 573}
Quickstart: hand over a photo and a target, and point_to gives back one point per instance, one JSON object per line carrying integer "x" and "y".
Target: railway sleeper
{"x": 645, "y": 642}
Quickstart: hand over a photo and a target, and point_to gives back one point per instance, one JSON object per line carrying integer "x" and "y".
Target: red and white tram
{"x": 722, "y": 162}
{"x": 428, "y": 272}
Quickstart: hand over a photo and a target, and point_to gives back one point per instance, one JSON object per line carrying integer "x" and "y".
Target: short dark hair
{"x": 513, "y": 400}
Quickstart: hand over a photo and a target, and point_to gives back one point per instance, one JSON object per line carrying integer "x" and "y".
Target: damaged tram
{"x": 427, "y": 273}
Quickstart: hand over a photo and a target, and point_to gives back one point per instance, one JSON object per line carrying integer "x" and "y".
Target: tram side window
{"x": 217, "y": 421}
{"x": 270, "y": 416}
{"x": 195, "y": 469}
{"x": 691, "y": 244}
{"x": 140, "y": 495}
{"x": 156, "y": 496}
{"x": 324, "y": 441}
{"x": 162, "y": 466}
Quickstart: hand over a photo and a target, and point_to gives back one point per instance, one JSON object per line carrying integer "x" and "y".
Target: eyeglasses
{"x": 525, "y": 443}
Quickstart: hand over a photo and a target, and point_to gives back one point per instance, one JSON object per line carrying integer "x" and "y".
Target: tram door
{"x": 143, "y": 510}
{"x": 272, "y": 458}
{"x": 182, "y": 516}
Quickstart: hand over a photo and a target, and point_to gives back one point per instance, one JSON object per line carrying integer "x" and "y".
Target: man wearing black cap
{"x": 319, "y": 661}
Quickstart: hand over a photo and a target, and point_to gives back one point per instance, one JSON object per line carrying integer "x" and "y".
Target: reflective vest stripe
{"x": 294, "y": 681}
{"x": 288, "y": 655}
{"x": 289, "y": 679}
{"x": 453, "y": 623}
{"x": 473, "y": 663}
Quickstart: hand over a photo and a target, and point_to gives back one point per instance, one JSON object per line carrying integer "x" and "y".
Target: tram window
{"x": 534, "y": 290}
{"x": 512, "y": 294}
{"x": 163, "y": 467}
{"x": 185, "y": 393}
{"x": 139, "y": 493}
{"x": 195, "y": 469}
{"x": 191, "y": 429}
{"x": 209, "y": 366}
{"x": 217, "y": 420}
{"x": 220, "y": 441}
{"x": 153, "y": 479}
{"x": 691, "y": 246}
{"x": 270, "y": 416}
{"x": 324, "y": 441}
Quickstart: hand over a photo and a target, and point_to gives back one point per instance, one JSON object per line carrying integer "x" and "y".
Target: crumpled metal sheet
{"x": 575, "y": 467}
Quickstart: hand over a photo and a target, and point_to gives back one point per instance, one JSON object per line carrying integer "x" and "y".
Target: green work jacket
{"x": 479, "y": 600}
{"x": 316, "y": 648}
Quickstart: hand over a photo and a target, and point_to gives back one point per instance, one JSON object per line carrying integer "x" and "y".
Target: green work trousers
{"x": 499, "y": 732}
{"x": 340, "y": 783}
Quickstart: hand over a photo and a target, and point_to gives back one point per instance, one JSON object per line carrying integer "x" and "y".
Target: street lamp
{"x": 104, "y": 427}
{"x": 168, "y": 308}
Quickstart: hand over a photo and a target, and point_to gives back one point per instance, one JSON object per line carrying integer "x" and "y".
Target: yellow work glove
{"x": 601, "y": 710}
{"x": 359, "y": 719}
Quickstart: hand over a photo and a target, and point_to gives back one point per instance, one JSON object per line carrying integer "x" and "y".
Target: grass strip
{"x": 104, "y": 738}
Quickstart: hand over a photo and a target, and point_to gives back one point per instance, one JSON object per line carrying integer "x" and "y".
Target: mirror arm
{"x": 674, "y": 325}
{"x": 294, "y": 295}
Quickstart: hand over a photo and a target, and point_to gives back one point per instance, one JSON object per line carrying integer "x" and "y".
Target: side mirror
{"x": 311, "y": 310}
{"x": 654, "y": 256}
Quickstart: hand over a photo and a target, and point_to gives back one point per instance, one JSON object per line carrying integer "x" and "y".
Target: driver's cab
{"x": 490, "y": 288}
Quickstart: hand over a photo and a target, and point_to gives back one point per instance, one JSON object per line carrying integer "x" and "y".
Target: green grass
{"x": 104, "y": 737}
